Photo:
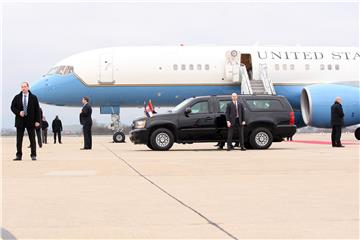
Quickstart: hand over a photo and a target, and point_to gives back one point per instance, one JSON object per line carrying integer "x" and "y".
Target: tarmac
{"x": 294, "y": 190}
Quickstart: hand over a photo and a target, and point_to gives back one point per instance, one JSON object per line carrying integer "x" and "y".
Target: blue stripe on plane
{"x": 68, "y": 90}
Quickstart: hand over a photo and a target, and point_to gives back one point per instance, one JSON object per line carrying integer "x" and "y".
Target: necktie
{"x": 237, "y": 110}
{"x": 25, "y": 105}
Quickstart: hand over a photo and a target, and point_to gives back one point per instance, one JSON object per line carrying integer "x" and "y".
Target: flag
{"x": 149, "y": 109}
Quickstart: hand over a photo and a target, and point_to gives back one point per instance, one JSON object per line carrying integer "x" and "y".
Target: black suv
{"x": 202, "y": 119}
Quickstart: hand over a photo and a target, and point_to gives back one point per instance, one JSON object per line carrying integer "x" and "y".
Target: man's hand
{"x": 243, "y": 123}
{"x": 22, "y": 114}
{"x": 228, "y": 124}
{"x": 37, "y": 124}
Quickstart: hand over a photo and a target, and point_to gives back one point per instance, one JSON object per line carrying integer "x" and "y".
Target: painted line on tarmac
{"x": 172, "y": 196}
{"x": 6, "y": 235}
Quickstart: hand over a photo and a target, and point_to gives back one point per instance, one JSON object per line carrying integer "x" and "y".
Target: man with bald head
{"x": 337, "y": 122}
{"x": 26, "y": 108}
{"x": 235, "y": 120}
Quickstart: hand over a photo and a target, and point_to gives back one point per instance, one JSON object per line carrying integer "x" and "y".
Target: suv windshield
{"x": 181, "y": 105}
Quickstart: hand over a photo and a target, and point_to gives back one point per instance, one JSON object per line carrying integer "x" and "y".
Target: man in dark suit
{"x": 57, "y": 128}
{"x": 337, "y": 122}
{"x": 38, "y": 131}
{"x": 26, "y": 108}
{"x": 86, "y": 121}
{"x": 44, "y": 129}
{"x": 235, "y": 120}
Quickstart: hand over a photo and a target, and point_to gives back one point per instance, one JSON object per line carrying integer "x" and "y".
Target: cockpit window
{"x": 61, "y": 70}
{"x": 52, "y": 71}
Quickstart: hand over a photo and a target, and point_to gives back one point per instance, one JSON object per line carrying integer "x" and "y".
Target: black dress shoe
{"x": 229, "y": 148}
{"x": 33, "y": 158}
{"x": 220, "y": 148}
{"x": 85, "y": 148}
{"x": 243, "y": 149}
{"x": 340, "y": 146}
{"x": 17, "y": 159}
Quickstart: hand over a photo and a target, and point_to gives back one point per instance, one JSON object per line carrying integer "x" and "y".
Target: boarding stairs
{"x": 236, "y": 71}
{"x": 261, "y": 86}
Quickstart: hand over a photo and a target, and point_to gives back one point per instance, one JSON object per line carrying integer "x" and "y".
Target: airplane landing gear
{"x": 119, "y": 135}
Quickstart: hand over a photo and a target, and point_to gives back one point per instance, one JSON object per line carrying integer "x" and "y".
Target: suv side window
{"x": 265, "y": 105}
{"x": 222, "y": 105}
{"x": 200, "y": 107}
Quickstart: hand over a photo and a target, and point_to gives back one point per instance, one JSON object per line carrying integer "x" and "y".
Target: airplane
{"x": 309, "y": 77}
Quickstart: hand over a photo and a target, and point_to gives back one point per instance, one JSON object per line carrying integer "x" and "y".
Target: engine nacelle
{"x": 316, "y": 101}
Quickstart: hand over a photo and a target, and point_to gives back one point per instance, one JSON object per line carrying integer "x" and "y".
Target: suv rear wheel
{"x": 162, "y": 139}
{"x": 261, "y": 138}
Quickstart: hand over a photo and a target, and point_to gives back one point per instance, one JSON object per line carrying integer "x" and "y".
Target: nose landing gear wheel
{"x": 119, "y": 137}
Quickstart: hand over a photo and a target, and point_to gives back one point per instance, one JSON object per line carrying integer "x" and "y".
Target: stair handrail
{"x": 245, "y": 82}
{"x": 267, "y": 82}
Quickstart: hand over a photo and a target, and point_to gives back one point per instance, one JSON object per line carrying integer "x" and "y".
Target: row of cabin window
{"x": 191, "y": 67}
{"x": 307, "y": 67}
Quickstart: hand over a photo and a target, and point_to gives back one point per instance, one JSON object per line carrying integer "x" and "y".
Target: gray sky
{"x": 37, "y": 35}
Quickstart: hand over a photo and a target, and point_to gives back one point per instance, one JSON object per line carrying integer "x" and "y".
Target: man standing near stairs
{"x": 235, "y": 119}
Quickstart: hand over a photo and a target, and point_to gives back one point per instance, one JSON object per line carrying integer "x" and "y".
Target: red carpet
{"x": 324, "y": 142}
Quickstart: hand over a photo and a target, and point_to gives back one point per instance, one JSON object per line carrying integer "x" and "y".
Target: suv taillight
{"x": 292, "y": 118}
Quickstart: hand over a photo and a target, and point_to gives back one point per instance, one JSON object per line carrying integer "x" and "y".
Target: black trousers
{"x": 58, "y": 133}
{"x": 44, "y": 136}
{"x": 87, "y": 136}
{"x": 336, "y": 135}
{"x": 19, "y": 140}
{"x": 240, "y": 129}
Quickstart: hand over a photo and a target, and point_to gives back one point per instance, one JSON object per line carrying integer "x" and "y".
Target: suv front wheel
{"x": 261, "y": 138}
{"x": 162, "y": 139}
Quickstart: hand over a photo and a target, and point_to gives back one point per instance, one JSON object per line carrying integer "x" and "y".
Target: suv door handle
{"x": 209, "y": 118}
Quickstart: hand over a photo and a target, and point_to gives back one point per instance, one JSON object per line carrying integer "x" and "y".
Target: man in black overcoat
{"x": 337, "y": 122}
{"x": 25, "y": 106}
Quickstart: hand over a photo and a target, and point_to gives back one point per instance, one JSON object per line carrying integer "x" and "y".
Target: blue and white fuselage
{"x": 310, "y": 78}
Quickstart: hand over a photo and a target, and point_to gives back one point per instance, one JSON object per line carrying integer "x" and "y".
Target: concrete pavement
{"x": 304, "y": 189}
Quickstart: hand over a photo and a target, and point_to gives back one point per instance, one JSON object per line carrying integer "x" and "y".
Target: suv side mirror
{"x": 187, "y": 111}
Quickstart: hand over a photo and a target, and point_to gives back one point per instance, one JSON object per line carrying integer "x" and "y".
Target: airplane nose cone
{"x": 40, "y": 88}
